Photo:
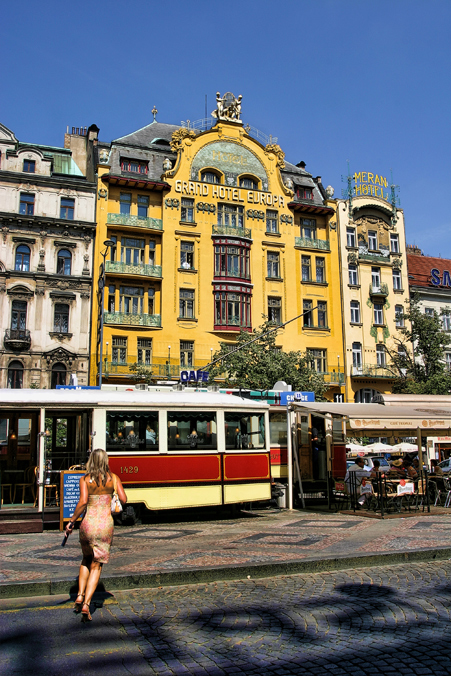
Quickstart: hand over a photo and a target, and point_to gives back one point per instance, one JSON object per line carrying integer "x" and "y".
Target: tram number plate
{"x": 129, "y": 469}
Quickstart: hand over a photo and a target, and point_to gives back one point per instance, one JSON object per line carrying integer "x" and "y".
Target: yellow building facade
{"x": 209, "y": 232}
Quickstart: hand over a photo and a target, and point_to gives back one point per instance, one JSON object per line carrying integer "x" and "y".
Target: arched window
{"x": 15, "y": 375}
{"x": 248, "y": 182}
{"x": 63, "y": 263}
{"x": 209, "y": 177}
{"x": 59, "y": 373}
{"x": 22, "y": 262}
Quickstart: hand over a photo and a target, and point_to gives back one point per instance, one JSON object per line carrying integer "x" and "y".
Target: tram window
{"x": 4, "y": 433}
{"x": 245, "y": 430}
{"x": 278, "y": 428}
{"x": 304, "y": 430}
{"x": 190, "y": 430}
{"x": 337, "y": 431}
{"x": 132, "y": 431}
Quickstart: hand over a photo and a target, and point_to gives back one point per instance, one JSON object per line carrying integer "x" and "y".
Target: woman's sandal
{"x": 78, "y": 604}
{"x": 86, "y": 615}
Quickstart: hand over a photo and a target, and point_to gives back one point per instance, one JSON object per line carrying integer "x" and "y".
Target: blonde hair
{"x": 97, "y": 466}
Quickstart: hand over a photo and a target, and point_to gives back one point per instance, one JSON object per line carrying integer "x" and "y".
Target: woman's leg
{"x": 93, "y": 581}
{"x": 83, "y": 574}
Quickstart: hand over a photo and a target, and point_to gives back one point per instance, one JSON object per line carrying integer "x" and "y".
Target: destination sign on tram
{"x": 300, "y": 397}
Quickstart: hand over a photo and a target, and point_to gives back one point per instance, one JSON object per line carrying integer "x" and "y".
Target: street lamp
{"x": 108, "y": 243}
{"x": 169, "y": 361}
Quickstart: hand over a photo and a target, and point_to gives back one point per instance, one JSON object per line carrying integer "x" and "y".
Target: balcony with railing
{"x": 17, "y": 339}
{"x": 135, "y": 221}
{"x": 231, "y": 231}
{"x": 379, "y": 290}
{"x": 130, "y": 319}
{"x": 141, "y": 269}
{"x": 372, "y": 371}
{"x": 334, "y": 377}
{"x": 159, "y": 367}
{"x": 309, "y": 243}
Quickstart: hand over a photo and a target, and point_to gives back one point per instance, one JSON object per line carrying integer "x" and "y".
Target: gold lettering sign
{"x": 367, "y": 183}
{"x": 223, "y": 192}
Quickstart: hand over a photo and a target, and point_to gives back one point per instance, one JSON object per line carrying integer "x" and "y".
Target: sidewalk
{"x": 255, "y": 544}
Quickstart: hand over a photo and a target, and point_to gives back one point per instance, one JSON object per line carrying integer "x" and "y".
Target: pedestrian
{"x": 435, "y": 468}
{"x": 96, "y": 530}
{"x": 355, "y": 475}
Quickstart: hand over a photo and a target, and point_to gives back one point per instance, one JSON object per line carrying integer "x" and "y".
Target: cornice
{"x": 61, "y": 181}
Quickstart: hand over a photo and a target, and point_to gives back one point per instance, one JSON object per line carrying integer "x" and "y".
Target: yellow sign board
{"x": 366, "y": 183}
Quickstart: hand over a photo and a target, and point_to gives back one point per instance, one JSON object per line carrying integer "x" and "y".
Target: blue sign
{"x": 71, "y": 492}
{"x": 77, "y": 387}
{"x": 301, "y": 397}
{"x": 196, "y": 376}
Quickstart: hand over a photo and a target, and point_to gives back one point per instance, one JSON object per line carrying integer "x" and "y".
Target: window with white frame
{"x": 380, "y": 355}
{"x": 352, "y": 272}
{"x": 275, "y": 310}
{"x": 132, "y": 251}
{"x": 372, "y": 240}
{"x": 399, "y": 316}
{"x": 186, "y": 304}
{"x": 376, "y": 278}
{"x": 131, "y": 299}
{"x": 231, "y": 215}
{"x": 186, "y": 353}
{"x": 448, "y": 360}
{"x": 145, "y": 351}
{"x": 317, "y": 359}
{"x": 446, "y": 319}
{"x": 429, "y": 311}
{"x": 272, "y": 221}
{"x": 119, "y": 354}
{"x": 187, "y": 255}
{"x": 273, "y": 259}
{"x": 355, "y": 312}
{"x": 357, "y": 354}
{"x": 350, "y": 237}
{"x": 397, "y": 282}
{"x": 394, "y": 243}
{"x": 378, "y": 313}
{"x": 187, "y": 210}
{"x": 308, "y": 228}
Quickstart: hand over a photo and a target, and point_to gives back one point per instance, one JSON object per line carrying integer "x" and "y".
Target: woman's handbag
{"x": 116, "y": 505}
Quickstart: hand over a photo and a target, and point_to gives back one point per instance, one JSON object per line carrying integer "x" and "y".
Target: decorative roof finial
{"x": 154, "y": 113}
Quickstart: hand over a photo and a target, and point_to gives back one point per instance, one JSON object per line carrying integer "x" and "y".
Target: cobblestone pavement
{"x": 251, "y": 538}
{"x": 381, "y": 620}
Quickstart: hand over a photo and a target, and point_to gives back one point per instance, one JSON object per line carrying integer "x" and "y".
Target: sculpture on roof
{"x": 278, "y": 152}
{"x": 228, "y": 108}
{"x": 179, "y": 135}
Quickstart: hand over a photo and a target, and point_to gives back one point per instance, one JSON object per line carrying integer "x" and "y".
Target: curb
{"x": 183, "y": 576}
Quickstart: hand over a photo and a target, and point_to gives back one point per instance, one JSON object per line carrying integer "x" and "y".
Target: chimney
{"x": 301, "y": 165}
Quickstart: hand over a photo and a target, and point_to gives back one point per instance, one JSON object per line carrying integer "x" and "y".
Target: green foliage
{"x": 418, "y": 356}
{"x": 260, "y": 365}
{"x": 141, "y": 373}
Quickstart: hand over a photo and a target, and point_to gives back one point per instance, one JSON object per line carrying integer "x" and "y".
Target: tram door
{"x": 66, "y": 440}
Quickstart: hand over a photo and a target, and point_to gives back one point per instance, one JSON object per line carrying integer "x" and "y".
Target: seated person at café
{"x": 410, "y": 470}
{"x": 353, "y": 480}
{"x": 397, "y": 470}
{"x": 435, "y": 468}
{"x": 376, "y": 469}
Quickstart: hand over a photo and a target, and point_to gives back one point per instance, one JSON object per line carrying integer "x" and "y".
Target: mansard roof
{"x": 147, "y": 135}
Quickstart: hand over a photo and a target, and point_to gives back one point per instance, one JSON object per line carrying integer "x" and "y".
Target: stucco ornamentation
{"x": 204, "y": 206}
{"x": 59, "y": 354}
{"x": 278, "y": 152}
{"x": 353, "y": 258}
{"x": 179, "y": 136}
{"x": 167, "y": 164}
{"x": 172, "y": 203}
{"x": 41, "y": 264}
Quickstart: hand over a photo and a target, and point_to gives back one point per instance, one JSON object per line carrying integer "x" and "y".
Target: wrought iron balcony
{"x": 130, "y": 319}
{"x": 380, "y": 290}
{"x": 232, "y": 231}
{"x": 17, "y": 339}
{"x": 127, "y": 219}
{"x": 309, "y": 243}
{"x": 159, "y": 367}
{"x": 334, "y": 377}
{"x": 372, "y": 371}
{"x": 142, "y": 269}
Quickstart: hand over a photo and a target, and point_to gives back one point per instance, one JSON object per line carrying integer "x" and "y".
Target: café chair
{"x": 29, "y": 482}
{"x": 49, "y": 488}
{"x": 340, "y": 494}
{"x": 5, "y": 488}
{"x": 76, "y": 468}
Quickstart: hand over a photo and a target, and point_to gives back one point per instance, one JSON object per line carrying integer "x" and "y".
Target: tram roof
{"x": 63, "y": 399}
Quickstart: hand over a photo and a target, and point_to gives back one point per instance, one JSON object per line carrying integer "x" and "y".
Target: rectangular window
{"x": 113, "y": 248}
{"x": 399, "y": 316}
{"x": 143, "y": 206}
{"x": 232, "y": 309}
{"x": 232, "y": 261}
{"x": 131, "y": 300}
{"x": 448, "y": 360}
{"x": 397, "y": 284}
{"x": 446, "y": 318}
{"x": 394, "y": 243}
{"x": 244, "y": 430}
{"x": 151, "y": 302}
{"x": 145, "y": 351}
{"x": 429, "y": 311}
{"x": 19, "y": 315}
{"x": 132, "y": 251}
{"x": 272, "y": 221}
{"x": 320, "y": 270}
{"x": 29, "y": 166}
{"x": 275, "y": 310}
{"x": 357, "y": 354}
{"x": 187, "y": 211}
{"x": 273, "y": 259}
{"x": 306, "y": 271}
{"x": 318, "y": 360}
{"x": 119, "y": 354}
{"x": 307, "y": 306}
{"x": 350, "y": 237}
{"x": 380, "y": 355}
{"x": 61, "y": 318}
{"x": 376, "y": 279}
{"x": 231, "y": 215}
{"x": 186, "y": 353}
{"x": 352, "y": 271}
{"x": 355, "y": 312}
{"x": 125, "y": 202}
{"x": 190, "y": 430}
{"x": 304, "y": 193}
{"x": 187, "y": 255}
{"x": 378, "y": 313}
{"x": 372, "y": 240}
{"x": 26, "y": 204}
{"x": 67, "y": 208}
{"x": 308, "y": 228}
{"x": 111, "y": 297}
{"x": 133, "y": 166}
{"x": 322, "y": 314}
{"x": 186, "y": 304}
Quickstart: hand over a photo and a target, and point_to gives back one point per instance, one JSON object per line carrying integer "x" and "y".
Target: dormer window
{"x": 304, "y": 193}
{"x": 248, "y": 182}
{"x": 29, "y": 166}
{"x": 209, "y": 177}
{"x": 133, "y": 166}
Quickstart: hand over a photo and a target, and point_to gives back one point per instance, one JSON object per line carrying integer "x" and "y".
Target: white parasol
{"x": 355, "y": 448}
{"x": 405, "y": 447}
{"x": 379, "y": 447}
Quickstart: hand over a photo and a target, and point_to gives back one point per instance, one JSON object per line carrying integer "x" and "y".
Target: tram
{"x": 171, "y": 449}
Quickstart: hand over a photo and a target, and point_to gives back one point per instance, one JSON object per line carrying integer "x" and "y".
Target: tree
{"x": 141, "y": 373}
{"x": 261, "y": 364}
{"x": 418, "y": 357}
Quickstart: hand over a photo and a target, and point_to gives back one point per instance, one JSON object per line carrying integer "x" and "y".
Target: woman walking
{"x": 96, "y": 530}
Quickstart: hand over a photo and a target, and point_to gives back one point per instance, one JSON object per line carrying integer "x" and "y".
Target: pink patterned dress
{"x": 96, "y": 530}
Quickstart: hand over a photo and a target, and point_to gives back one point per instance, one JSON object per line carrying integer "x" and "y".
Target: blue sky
{"x": 334, "y": 80}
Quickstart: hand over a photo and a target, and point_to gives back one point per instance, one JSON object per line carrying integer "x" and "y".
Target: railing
{"x": 131, "y": 319}
{"x": 232, "y": 231}
{"x": 334, "y": 377}
{"x": 209, "y": 122}
{"x": 309, "y": 243}
{"x": 159, "y": 368}
{"x": 371, "y": 371}
{"x": 379, "y": 290}
{"x": 135, "y": 221}
{"x": 133, "y": 269}
{"x": 18, "y": 336}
